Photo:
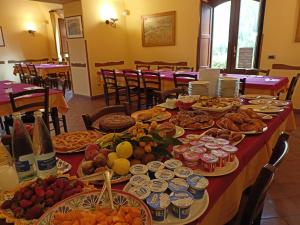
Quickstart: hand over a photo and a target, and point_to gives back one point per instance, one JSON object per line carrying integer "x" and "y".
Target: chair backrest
{"x": 257, "y": 195}
{"x": 20, "y": 71}
{"x": 242, "y": 86}
{"x": 32, "y": 70}
{"x": 142, "y": 67}
{"x": 38, "y": 104}
{"x": 264, "y": 72}
{"x": 90, "y": 119}
{"x": 109, "y": 78}
{"x": 292, "y": 87}
{"x": 182, "y": 79}
{"x": 165, "y": 68}
{"x": 280, "y": 150}
{"x": 151, "y": 80}
{"x": 132, "y": 78}
{"x": 184, "y": 68}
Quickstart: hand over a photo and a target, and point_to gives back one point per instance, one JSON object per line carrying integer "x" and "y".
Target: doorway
{"x": 230, "y": 35}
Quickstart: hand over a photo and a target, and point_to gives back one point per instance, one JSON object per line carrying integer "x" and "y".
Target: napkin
{"x": 211, "y": 75}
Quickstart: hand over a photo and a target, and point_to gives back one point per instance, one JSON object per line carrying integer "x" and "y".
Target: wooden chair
{"x": 253, "y": 210}
{"x": 23, "y": 77}
{"x": 142, "y": 67}
{"x": 33, "y": 75}
{"x": 264, "y": 72}
{"x": 110, "y": 83}
{"x": 152, "y": 86}
{"x": 292, "y": 87}
{"x": 242, "y": 86}
{"x": 178, "y": 83}
{"x": 133, "y": 86}
{"x": 280, "y": 150}
{"x": 42, "y": 104}
{"x": 89, "y": 120}
{"x": 165, "y": 68}
{"x": 184, "y": 68}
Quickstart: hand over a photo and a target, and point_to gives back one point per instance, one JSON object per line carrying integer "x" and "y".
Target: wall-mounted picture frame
{"x": 297, "y": 36}
{"x": 159, "y": 29}
{"x": 2, "y": 43}
{"x": 74, "y": 27}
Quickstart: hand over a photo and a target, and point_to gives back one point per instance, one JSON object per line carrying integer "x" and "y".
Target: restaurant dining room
{"x": 149, "y": 112}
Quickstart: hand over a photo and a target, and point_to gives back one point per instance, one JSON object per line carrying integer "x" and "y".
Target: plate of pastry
{"x": 75, "y": 141}
{"x": 263, "y": 108}
{"x": 245, "y": 121}
{"x": 155, "y": 114}
{"x": 270, "y": 102}
{"x": 214, "y": 104}
{"x": 192, "y": 120}
{"x": 234, "y": 138}
{"x": 258, "y": 96}
{"x": 115, "y": 122}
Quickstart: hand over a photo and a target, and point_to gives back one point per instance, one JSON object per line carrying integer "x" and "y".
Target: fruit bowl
{"x": 31, "y": 198}
{"x": 89, "y": 201}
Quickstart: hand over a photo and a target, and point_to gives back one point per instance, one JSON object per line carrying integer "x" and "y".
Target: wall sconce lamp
{"x": 112, "y": 22}
{"x": 32, "y": 32}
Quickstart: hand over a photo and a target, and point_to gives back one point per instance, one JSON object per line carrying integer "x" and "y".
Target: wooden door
{"x": 63, "y": 36}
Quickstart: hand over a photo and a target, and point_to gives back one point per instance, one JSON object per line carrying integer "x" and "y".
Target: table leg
{"x": 55, "y": 119}
{"x": 69, "y": 80}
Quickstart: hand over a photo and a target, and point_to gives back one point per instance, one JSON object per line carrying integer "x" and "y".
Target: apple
{"x": 91, "y": 151}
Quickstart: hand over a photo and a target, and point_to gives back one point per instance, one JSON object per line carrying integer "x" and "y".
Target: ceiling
{"x": 56, "y": 1}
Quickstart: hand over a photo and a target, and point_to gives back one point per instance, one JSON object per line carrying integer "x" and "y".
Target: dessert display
{"x": 33, "y": 198}
{"x": 246, "y": 121}
{"x": 115, "y": 122}
{"x": 192, "y": 120}
{"x": 214, "y": 103}
{"x": 271, "y": 102}
{"x": 154, "y": 114}
{"x": 124, "y": 214}
{"x": 263, "y": 108}
{"x": 233, "y": 137}
{"x": 166, "y": 129}
{"x": 186, "y": 102}
{"x": 74, "y": 141}
{"x": 258, "y": 96}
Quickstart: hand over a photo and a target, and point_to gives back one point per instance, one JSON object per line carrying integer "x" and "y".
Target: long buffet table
{"x": 225, "y": 191}
{"x": 255, "y": 84}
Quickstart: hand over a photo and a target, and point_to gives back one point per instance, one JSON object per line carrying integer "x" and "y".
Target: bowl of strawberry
{"x": 30, "y": 201}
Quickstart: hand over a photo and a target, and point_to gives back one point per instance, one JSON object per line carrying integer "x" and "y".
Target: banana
{"x": 107, "y": 138}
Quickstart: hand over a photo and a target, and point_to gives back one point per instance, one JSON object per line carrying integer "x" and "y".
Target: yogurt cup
{"x": 142, "y": 192}
{"x": 153, "y": 167}
{"x": 212, "y": 146}
{"x": 231, "y": 150}
{"x": 198, "y": 149}
{"x": 177, "y": 184}
{"x": 197, "y": 185}
{"x": 193, "y": 137}
{"x": 158, "y": 185}
{"x": 209, "y": 162}
{"x": 138, "y": 169}
{"x": 158, "y": 204}
{"x": 164, "y": 174}
{"x": 191, "y": 159}
{"x": 222, "y": 157}
{"x": 172, "y": 164}
{"x": 179, "y": 150}
{"x": 207, "y": 138}
{"x": 139, "y": 180}
{"x": 221, "y": 141}
{"x": 181, "y": 202}
{"x": 183, "y": 172}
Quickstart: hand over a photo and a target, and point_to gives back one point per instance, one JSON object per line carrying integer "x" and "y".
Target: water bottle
{"x": 43, "y": 149}
{"x": 22, "y": 150}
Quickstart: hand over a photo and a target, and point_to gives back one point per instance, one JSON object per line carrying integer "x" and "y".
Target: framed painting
{"x": 74, "y": 27}
{"x": 297, "y": 38}
{"x": 159, "y": 29}
{"x": 2, "y": 43}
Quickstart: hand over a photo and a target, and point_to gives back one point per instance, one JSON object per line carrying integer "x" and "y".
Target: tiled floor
{"x": 282, "y": 206}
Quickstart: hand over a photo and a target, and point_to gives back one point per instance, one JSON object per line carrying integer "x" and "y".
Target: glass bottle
{"x": 43, "y": 148}
{"x": 22, "y": 150}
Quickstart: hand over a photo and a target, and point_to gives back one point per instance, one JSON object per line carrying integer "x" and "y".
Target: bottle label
{"x": 25, "y": 162}
{"x": 46, "y": 161}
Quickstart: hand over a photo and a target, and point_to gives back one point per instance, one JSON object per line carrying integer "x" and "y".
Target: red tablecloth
{"x": 247, "y": 149}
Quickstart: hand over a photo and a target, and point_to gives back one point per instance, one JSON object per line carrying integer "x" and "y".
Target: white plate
{"x": 263, "y": 108}
{"x": 211, "y": 109}
{"x": 244, "y": 132}
{"x": 197, "y": 209}
{"x": 220, "y": 171}
{"x": 257, "y": 96}
{"x": 167, "y": 106}
{"x": 269, "y": 102}
{"x": 62, "y": 166}
{"x": 234, "y": 143}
